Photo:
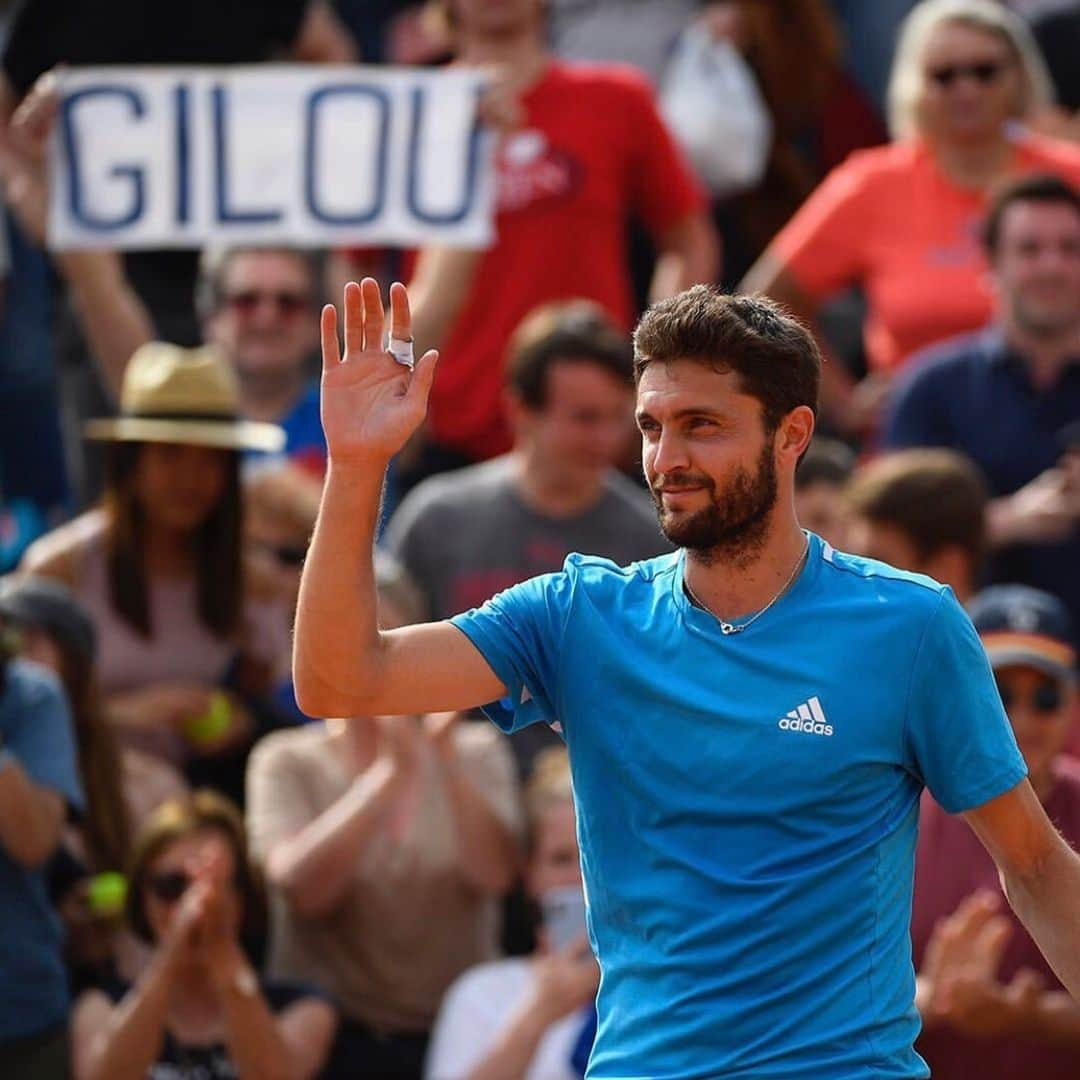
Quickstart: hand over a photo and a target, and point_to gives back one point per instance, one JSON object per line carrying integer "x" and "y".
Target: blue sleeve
{"x": 519, "y": 633}
{"x": 958, "y": 738}
{"x": 914, "y": 416}
{"x": 37, "y": 730}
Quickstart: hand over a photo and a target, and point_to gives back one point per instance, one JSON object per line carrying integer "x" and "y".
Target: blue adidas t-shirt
{"x": 748, "y": 804}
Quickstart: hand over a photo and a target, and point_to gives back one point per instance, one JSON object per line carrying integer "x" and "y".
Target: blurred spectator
{"x": 901, "y": 221}
{"x": 38, "y": 785}
{"x": 590, "y": 151}
{"x": 1058, "y": 35}
{"x": 1010, "y": 396}
{"x": 991, "y": 1005}
{"x": 386, "y": 841}
{"x": 820, "y": 480}
{"x": 924, "y": 511}
{"x": 465, "y": 535}
{"x": 122, "y": 785}
{"x": 180, "y": 613}
{"x": 819, "y": 116}
{"x": 530, "y": 1018}
{"x": 199, "y": 1010}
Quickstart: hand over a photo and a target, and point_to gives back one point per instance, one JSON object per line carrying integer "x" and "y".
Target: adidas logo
{"x": 809, "y": 718}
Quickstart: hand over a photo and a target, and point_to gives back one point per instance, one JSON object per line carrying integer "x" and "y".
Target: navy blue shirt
{"x": 35, "y": 727}
{"x": 975, "y": 395}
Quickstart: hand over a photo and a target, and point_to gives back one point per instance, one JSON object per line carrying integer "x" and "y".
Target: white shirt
{"x": 475, "y": 1013}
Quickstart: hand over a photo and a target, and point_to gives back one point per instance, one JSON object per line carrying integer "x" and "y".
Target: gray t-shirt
{"x": 465, "y": 535}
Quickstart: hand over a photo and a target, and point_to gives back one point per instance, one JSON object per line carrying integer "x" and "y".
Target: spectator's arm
{"x": 438, "y": 291}
{"x": 323, "y": 37}
{"x": 255, "y": 1038}
{"x": 1040, "y": 875}
{"x": 488, "y": 849}
{"x": 31, "y": 816}
{"x": 510, "y": 1057}
{"x": 307, "y": 1028}
{"x": 689, "y": 254}
{"x": 121, "y": 1042}
{"x": 314, "y": 866}
{"x": 113, "y": 317}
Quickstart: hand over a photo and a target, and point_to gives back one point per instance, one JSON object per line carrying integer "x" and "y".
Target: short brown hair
{"x": 577, "y": 330}
{"x": 180, "y": 817}
{"x": 937, "y": 498}
{"x": 774, "y": 355}
{"x": 1036, "y": 187}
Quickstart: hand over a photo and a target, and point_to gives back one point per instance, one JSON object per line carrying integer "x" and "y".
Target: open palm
{"x": 371, "y": 404}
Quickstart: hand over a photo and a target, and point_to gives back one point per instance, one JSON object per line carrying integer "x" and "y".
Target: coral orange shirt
{"x": 592, "y": 152}
{"x": 889, "y": 220}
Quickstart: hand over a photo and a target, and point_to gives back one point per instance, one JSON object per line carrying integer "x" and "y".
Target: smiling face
{"x": 971, "y": 83}
{"x": 709, "y": 459}
{"x": 1036, "y": 266}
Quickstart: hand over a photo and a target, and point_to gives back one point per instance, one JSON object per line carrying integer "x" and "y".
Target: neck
{"x": 552, "y": 493}
{"x": 192, "y": 990}
{"x": 268, "y": 396}
{"x": 974, "y": 164}
{"x": 521, "y": 54}
{"x": 743, "y": 584}
{"x": 1045, "y": 354}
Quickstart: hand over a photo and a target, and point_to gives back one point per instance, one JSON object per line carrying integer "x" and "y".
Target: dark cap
{"x": 47, "y": 605}
{"x": 1019, "y": 625}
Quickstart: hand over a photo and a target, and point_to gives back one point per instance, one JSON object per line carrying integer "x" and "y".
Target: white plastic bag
{"x": 712, "y": 102}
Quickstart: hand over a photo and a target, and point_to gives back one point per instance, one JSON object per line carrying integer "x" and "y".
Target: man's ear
{"x": 795, "y": 432}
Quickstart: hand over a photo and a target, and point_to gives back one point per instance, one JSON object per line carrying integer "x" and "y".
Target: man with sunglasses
{"x": 990, "y": 1004}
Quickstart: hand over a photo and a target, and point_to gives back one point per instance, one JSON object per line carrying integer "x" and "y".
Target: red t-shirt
{"x": 592, "y": 151}
{"x": 950, "y": 865}
{"x": 889, "y": 220}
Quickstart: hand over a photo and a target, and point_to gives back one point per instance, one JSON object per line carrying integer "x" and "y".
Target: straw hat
{"x": 187, "y": 396}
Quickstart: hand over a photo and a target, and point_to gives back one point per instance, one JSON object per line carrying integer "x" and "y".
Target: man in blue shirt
{"x": 1009, "y": 397}
{"x": 38, "y": 785}
{"x": 750, "y": 720}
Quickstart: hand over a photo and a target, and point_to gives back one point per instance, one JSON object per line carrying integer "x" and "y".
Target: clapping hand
{"x": 960, "y": 972}
{"x": 371, "y": 404}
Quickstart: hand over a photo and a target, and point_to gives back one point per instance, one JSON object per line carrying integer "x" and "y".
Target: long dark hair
{"x": 107, "y": 826}
{"x": 217, "y": 542}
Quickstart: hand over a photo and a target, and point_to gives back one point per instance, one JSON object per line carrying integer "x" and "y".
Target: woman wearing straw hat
{"x": 180, "y": 610}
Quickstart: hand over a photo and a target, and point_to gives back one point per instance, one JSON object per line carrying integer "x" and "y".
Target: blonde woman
{"x": 902, "y": 221}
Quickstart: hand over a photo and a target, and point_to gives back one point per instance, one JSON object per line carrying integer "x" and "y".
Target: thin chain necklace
{"x": 737, "y": 628}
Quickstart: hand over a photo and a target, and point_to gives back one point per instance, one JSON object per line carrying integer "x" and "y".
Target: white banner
{"x": 305, "y": 155}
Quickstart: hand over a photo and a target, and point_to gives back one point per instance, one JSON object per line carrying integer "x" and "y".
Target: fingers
{"x": 400, "y": 315}
{"x": 331, "y": 351}
{"x": 354, "y": 319}
{"x": 374, "y": 319}
{"x": 423, "y": 377}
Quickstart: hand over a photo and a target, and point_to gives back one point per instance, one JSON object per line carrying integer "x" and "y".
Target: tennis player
{"x": 750, "y": 720}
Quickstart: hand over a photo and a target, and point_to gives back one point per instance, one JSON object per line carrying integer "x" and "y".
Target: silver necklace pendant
{"x": 728, "y": 628}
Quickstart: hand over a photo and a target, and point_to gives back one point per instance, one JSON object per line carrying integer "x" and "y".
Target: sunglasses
{"x": 169, "y": 885}
{"x": 984, "y": 72}
{"x": 287, "y": 304}
{"x": 1046, "y": 698}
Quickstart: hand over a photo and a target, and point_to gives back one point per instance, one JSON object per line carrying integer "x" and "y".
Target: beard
{"x": 734, "y": 526}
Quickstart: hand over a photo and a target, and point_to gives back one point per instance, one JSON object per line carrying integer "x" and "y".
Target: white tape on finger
{"x": 401, "y": 349}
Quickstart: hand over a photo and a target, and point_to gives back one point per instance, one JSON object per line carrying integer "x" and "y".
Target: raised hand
{"x": 371, "y": 404}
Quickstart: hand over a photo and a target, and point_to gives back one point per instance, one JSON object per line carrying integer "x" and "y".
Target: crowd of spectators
{"x": 197, "y": 880}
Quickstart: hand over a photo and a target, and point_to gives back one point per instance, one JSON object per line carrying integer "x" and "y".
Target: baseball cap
{"x": 50, "y": 606}
{"x": 1019, "y": 625}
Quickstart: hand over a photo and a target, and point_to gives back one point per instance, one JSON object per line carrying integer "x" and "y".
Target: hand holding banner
{"x": 292, "y": 154}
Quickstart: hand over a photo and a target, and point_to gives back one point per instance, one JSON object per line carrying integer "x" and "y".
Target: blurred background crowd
{"x": 196, "y": 880}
